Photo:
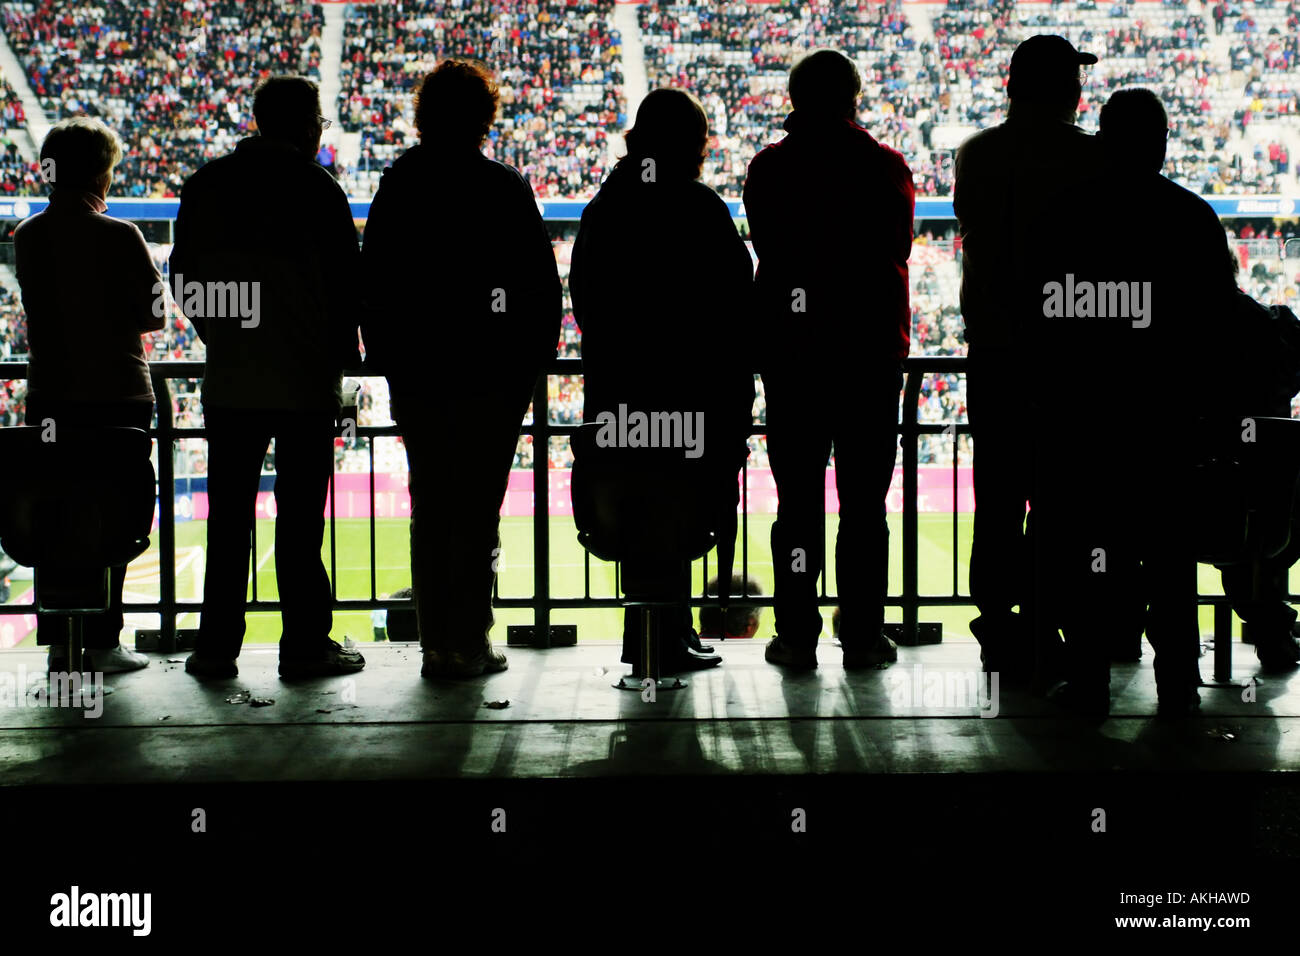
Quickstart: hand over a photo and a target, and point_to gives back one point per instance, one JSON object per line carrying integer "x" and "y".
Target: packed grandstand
{"x": 174, "y": 80}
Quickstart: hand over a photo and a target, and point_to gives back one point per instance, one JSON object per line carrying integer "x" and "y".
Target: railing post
{"x": 541, "y": 511}
{"x": 911, "y": 522}
{"x": 166, "y": 512}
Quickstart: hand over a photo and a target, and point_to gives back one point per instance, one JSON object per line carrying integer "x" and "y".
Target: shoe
{"x": 461, "y": 664}
{"x": 685, "y": 659}
{"x": 879, "y": 654}
{"x": 1078, "y": 700}
{"x": 781, "y": 653}
{"x": 1278, "y": 653}
{"x": 1184, "y": 702}
{"x": 693, "y": 642}
{"x": 329, "y": 660}
{"x": 215, "y": 668}
{"x": 116, "y": 660}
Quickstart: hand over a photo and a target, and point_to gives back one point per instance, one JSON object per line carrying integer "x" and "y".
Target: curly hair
{"x": 457, "y": 102}
{"x": 77, "y": 151}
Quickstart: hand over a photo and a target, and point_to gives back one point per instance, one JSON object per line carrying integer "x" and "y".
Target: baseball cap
{"x": 1045, "y": 56}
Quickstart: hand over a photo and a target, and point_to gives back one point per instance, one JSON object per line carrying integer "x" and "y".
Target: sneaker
{"x": 215, "y": 668}
{"x": 115, "y": 660}
{"x": 329, "y": 660}
{"x": 779, "y": 652}
{"x": 460, "y": 664}
{"x": 880, "y": 653}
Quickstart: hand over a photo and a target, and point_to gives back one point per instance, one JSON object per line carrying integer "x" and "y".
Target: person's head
{"x": 740, "y": 619}
{"x": 79, "y": 153}
{"x": 456, "y": 104}
{"x": 826, "y": 83}
{"x": 402, "y": 624}
{"x": 287, "y": 108}
{"x": 1135, "y": 130}
{"x": 671, "y": 129}
{"x": 1047, "y": 73}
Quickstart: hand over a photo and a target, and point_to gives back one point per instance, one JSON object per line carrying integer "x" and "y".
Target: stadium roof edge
{"x": 570, "y": 210}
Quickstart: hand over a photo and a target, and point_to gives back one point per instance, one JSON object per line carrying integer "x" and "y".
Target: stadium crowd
{"x": 559, "y": 75}
{"x": 172, "y": 78}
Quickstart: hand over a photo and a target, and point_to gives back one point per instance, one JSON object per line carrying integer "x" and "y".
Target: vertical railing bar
{"x": 744, "y": 524}
{"x": 956, "y": 573}
{"x": 374, "y": 591}
{"x": 166, "y": 513}
{"x": 334, "y": 569}
{"x": 909, "y": 430}
{"x": 541, "y": 505}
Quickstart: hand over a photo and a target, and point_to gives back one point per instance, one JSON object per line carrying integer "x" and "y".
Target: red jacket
{"x": 830, "y": 213}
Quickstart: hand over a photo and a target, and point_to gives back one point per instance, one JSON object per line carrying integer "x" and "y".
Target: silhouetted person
{"x": 658, "y": 247}
{"x": 455, "y": 248}
{"x": 830, "y": 212}
{"x": 89, "y": 288}
{"x": 1268, "y": 381}
{"x": 265, "y": 238}
{"x": 740, "y": 619}
{"x": 1127, "y": 319}
{"x": 1002, "y": 175}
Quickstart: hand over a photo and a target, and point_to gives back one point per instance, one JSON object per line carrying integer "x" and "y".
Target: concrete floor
{"x": 564, "y": 719}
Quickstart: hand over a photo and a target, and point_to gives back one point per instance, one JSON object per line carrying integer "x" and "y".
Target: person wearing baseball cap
{"x": 1002, "y": 176}
{"x": 1046, "y": 67}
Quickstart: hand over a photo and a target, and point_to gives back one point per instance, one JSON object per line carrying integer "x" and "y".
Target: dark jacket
{"x": 268, "y": 214}
{"x": 90, "y": 290}
{"x": 1002, "y": 179}
{"x": 661, "y": 286}
{"x": 1155, "y": 369}
{"x": 460, "y": 270}
{"x": 830, "y": 212}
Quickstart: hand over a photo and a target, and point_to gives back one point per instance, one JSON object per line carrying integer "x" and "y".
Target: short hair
{"x": 284, "y": 105}
{"x": 1134, "y": 126}
{"x": 825, "y": 82}
{"x": 738, "y": 616}
{"x": 457, "y": 102}
{"x": 672, "y": 129}
{"x": 79, "y": 151}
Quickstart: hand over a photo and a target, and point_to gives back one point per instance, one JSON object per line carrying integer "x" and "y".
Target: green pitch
{"x": 352, "y": 573}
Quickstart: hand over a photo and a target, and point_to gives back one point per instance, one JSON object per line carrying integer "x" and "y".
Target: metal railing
{"x": 542, "y": 602}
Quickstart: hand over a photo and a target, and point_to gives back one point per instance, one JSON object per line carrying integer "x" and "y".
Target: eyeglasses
{"x": 324, "y": 123}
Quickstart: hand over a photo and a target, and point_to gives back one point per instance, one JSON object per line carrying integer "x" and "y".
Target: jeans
{"x": 459, "y": 470}
{"x": 304, "y": 462}
{"x": 804, "y": 425}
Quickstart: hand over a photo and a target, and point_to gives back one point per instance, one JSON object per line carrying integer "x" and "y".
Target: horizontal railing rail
{"x": 542, "y": 430}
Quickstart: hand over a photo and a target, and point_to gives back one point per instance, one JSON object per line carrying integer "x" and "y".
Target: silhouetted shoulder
{"x": 1173, "y": 196}
{"x": 985, "y": 141}
{"x": 707, "y": 199}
